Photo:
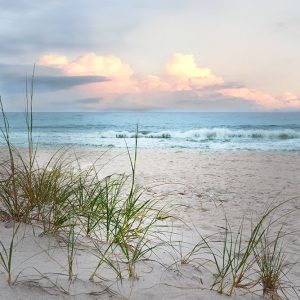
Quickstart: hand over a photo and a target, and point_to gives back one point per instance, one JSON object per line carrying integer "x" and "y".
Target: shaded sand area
{"x": 197, "y": 189}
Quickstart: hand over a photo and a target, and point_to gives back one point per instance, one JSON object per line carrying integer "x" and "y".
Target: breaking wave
{"x": 208, "y": 134}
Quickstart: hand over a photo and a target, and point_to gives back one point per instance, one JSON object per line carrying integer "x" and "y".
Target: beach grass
{"x": 62, "y": 198}
{"x": 273, "y": 265}
{"x": 246, "y": 258}
{"x": 7, "y": 254}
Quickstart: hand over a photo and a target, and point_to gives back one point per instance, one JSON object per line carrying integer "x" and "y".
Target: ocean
{"x": 276, "y": 131}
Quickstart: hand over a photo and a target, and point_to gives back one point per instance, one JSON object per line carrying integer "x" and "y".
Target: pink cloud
{"x": 119, "y": 73}
{"x": 261, "y": 98}
{"x": 187, "y": 75}
{"x": 265, "y": 100}
{"x": 180, "y": 74}
{"x": 92, "y": 64}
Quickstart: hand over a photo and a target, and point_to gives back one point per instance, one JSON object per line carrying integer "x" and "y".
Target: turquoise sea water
{"x": 278, "y": 131}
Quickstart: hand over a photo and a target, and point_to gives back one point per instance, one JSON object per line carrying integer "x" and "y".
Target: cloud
{"x": 261, "y": 98}
{"x": 12, "y": 79}
{"x": 110, "y": 66}
{"x": 181, "y": 73}
{"x": 92, "y": 64}
{"x": 51, "y": 83}
{"x": 187, "y": 75}
{"x": 88, "y": 64}
{"x": 286, "y": 100}
{"x": 182, "y": 84}
{"x": 151, "y": 83}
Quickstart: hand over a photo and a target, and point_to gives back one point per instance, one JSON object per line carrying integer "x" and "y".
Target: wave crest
{"x": 208, "y": 134}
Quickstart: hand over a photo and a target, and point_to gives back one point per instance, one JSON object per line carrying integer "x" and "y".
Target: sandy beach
{"x": 198, "y": 189}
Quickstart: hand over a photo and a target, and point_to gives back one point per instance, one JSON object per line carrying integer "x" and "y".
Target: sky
{"x": 152, "y": 55}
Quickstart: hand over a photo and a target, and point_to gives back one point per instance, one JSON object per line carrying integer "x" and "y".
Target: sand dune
{"x": 199, "y": 188}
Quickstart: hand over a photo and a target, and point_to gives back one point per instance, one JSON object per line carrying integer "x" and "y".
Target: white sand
{"x": 205, "y": 185}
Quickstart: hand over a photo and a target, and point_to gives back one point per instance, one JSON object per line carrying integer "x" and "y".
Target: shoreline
{"x": 77, "y": 147}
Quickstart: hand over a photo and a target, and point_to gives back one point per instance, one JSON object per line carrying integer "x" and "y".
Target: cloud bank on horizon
{"x": 184, "y": 55}
{"x": 181, "y": 78}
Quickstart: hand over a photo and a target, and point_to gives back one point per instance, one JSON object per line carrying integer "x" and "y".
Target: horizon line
{"x": 159, "y": 111}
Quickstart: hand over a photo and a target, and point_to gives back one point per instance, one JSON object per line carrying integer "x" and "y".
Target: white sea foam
{"x": 208, "y": 134}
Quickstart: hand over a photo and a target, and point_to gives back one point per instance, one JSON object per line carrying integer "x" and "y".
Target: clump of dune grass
{"x": 273, "y": 266}
{"x": 29, "y": 192}
{"x": 236, "y": 255}
{"x": 55, "y": 205}
{"x": 129, "y": 225}
{"x": 271, "y": 261}
{"x": 234, "y": 260}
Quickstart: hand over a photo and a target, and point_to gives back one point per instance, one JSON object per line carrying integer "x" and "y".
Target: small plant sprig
{"x": 273, "y": 266}
{"x": 71, "y": 249}
{"x": 6, "y": 255}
